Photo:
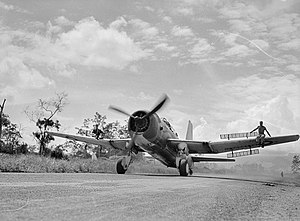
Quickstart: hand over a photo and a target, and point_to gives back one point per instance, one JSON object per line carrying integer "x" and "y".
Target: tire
{"x": 183, "y": 168}
{"x": 119, "y": 167}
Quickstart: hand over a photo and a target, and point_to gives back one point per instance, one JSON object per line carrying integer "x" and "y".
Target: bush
{"x": 38, "y": 164}
{"x": 11, "y": 149}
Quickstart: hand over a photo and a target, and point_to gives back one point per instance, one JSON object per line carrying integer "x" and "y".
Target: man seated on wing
{"x": 261, "y": 133}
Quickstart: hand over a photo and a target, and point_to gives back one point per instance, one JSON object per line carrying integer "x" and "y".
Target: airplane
{"x": 154, "y": 135}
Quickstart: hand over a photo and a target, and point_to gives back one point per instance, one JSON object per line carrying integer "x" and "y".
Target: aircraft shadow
{"x": 266, "y": 182}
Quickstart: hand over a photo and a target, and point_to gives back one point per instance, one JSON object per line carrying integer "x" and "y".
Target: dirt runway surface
{"x": 143, "y": 197}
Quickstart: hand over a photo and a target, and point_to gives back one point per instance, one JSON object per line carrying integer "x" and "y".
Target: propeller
{"x": 119, "y": 110}
{"x": 164, "y": 98}
{"x": 140, "y": 120}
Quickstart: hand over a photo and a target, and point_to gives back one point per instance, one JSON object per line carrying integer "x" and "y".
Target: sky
{"x": 225, "y": 65}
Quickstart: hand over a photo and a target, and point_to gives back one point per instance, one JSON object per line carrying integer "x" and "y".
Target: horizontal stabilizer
{"x": 238, "y": 135}
{"x": 211, "y": 159}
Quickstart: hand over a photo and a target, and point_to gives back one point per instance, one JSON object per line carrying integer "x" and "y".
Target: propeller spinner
{"x": 139, "y": 116}
{"x": 140, "y": 120}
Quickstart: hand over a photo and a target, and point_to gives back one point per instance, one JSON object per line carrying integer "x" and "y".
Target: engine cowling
{"x": 148, "y": 126}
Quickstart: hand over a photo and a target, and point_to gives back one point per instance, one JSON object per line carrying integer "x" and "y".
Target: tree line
{"x": 43, "y": 115}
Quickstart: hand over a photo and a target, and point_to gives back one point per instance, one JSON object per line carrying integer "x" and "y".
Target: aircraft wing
{"x": 120, "y": 144}
{"x": 231, "y": 145}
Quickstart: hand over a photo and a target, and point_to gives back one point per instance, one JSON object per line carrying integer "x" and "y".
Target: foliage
{"x": 98, "y": 127}
{"x": 39, "y": 164}
{"x": 10, "y": 139}
{"x": 31, "y": 163}
{"x": 111, "y": 130}
{"x": 296, "y": 164}
{"x": 5, "y": 119}
{"x": 42, "y": 116}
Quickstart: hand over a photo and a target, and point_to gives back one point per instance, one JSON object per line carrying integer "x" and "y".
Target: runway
{"x": 143, "y": 197}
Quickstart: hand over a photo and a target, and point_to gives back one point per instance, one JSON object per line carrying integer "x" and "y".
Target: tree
{"x": 113, "y": 130}
{"x": 42, "y": 115}
{"x": 11, "y": 135}
{"x": 1, "y": 117}
{"x": 296, "y": 164}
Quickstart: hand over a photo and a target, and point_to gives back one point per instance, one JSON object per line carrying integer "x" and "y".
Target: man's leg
{"x": 262, "y": 140}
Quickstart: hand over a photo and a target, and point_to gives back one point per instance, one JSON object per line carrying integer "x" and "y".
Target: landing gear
{"x": 183, "y": 168}
{"x": 119, "y": 167}
{"x": 184, "y": 161}
{"x": 123, "y": 164}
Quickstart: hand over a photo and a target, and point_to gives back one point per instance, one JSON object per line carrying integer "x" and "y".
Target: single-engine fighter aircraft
{"x": 154, "y": 135}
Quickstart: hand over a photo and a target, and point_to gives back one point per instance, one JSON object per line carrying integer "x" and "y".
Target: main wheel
{"x": 183, "y": 168}
{"x": 119, "y": 167}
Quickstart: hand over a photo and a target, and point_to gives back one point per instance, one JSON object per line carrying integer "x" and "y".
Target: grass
{"x": 38, "y": 164}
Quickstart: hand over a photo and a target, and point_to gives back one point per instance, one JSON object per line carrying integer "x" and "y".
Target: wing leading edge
{"x": 203, "y": 147}
{"x": 120, "y": 144}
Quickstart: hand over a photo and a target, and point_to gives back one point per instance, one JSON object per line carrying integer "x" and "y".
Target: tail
{"x": 189, "y": 132}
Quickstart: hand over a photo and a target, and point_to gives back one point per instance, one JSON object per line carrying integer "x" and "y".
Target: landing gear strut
{"x": 184, "y": 161}
{"x": 119, "y": 167}
{"x": 183, "y": 168}
{"x": 123, "y": 164}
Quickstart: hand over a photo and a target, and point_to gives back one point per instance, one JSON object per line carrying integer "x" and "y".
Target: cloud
{"x": 185, "y": 11}
{"x": 201, "y": 50}
{"x": 164, "y": 47}
{"x": 283, "y": 27}
{"x": 239, "y": 26}
{"x": 293, "y": 44}
{"x": 182, "y": 31}
{"x": 32, "y": 60}
{"x": 253, "y": 98}
{"x": 143, "y": 29}
{"x": 178, "y": 119}
{"x": 272, "y": 22}
{"x": 259, "y": 89}
{"x": 168, "y": 19}
{"x": 6, "y": 7}
{"x": 144, "y": 97}
{"x": 17, "y": 77}
{"x": 134, "y": 69}
{"x": 278, "y": 117}
{"x": 89, "y": 44}
{"x": 238, "y": 51}
{"x": 205, "y": 131}
{"x": 178, "y": 91}
{"x": 119, "y": 23}
{"x": 294, "y": 67}
{"x": 63, "y": 21}
{"x": 11, "y": 8}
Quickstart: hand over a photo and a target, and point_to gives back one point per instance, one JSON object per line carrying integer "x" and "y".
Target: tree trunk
{"x": 1, "y": 112}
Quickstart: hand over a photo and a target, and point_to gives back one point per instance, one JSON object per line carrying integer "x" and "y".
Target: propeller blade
{"x": 157, "y": 107}
{"x": 119, "y": 110}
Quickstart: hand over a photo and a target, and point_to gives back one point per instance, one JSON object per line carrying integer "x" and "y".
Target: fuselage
{"x": 152, "y": 135}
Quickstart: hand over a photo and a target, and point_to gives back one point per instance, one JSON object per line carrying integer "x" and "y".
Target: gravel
{"x": 144, "y": 197}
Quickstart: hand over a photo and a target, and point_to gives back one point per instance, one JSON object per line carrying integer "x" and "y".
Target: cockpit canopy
{"x": 169, "y": 125}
